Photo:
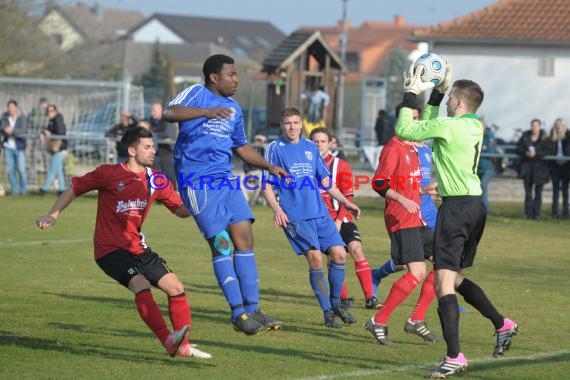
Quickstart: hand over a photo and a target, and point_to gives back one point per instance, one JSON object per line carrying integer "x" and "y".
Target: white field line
{"x": 383, "y": 371}
{"x": 42, "y": 242}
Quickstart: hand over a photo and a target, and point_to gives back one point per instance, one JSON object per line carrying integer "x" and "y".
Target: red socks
{"x": 400, "y": 290}
{"x": 364, "y": 275}
{"x": 180, "y": 313}
{"x": 427, "y": 295}
{"x": 151, "y": 315}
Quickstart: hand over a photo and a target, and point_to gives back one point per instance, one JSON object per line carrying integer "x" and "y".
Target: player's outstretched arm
{"x": 339, "y": 196}
{"x": 252, "y": 157}
{"x": 182, "y": 212}
{"x": 64, "y": 200}
{"x": 179, "y": 113}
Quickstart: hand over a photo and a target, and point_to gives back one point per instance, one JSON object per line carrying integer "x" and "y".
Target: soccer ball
{"x": 433, "y": 68}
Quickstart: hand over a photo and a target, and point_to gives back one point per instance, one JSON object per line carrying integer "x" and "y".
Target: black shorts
{"x": 411, "y": 245}
{"x": 459, "y": 227}
{"x": 122, "y": 266}
{"x": 349, "y": 233}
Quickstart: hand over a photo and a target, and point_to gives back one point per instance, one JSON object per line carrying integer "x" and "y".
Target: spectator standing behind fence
{"x": 14, "y": 127}
{"x": 56, "y": 147}
{"x": 486, "y": 168}
{"x": 560, "y": 168}
{"x": 117, "y": 132}
{"x": 534, "y": 171}
{"x": 38, "y": 119}
{"x": 252, "y": 174}
{"x": 166, "y": 134}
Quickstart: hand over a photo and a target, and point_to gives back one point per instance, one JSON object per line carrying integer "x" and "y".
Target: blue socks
{"x": 336, "y": 279}
{"x": 246, "y": 271}
{"x": 228, "y": 282}
{"x": 320, "y": 288}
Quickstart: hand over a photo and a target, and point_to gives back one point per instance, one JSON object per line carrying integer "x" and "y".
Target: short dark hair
{"x": 133, "y": 135}
{"x": 470, "y": 92}
{"x": 214, "y": 64}
{"x": 414, "y": 106}
{"x": 290, "y": 111}
{"x": 12, "y": 101}
{"x": 536, "y": 121}
{"x": 321, "y": 130}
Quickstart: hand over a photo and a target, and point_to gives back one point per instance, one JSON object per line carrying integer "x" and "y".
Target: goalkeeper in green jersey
{"x": 457, "y": 141}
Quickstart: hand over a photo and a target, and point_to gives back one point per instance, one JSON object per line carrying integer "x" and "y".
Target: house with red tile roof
{"x": 519, "y": 52}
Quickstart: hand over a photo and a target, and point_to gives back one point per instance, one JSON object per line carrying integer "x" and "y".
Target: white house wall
{"x": 514, "y": 92}
{"x": 156, "y": 31}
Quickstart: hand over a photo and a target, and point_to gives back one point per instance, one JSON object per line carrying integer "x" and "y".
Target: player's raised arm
{"x": 64, "y": 200}
{"x": 339, "y": 196}
{"x": 177, "y": 113}
{"x": 252, "y": 157}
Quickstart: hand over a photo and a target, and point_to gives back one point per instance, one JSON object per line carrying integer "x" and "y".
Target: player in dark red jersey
{"x": 342, "y": 178}
{"x": 126, "y": 192}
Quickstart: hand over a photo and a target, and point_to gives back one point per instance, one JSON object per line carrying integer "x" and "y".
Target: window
{"x": 244, "y": 41}
{"x": 264, "y": 43}
{"x": 352, "y": 62}
{"x": 546, "y": 67}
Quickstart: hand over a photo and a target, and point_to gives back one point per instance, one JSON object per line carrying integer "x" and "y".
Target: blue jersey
{"x": 427, "y": 207}
{"x": 300, "y": 199}
{"x": 204, "y": 146}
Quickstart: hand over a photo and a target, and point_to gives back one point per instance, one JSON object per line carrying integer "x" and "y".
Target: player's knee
{"x": 139, "y": 283}
{"x": 221, "y": 244}
{"x": 338, "y": 254}
{"x": 355, "y": 251}
{"x": 177, "y": 288}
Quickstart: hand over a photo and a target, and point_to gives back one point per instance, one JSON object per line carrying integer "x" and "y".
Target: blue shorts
{"x": 318, "y": 233}
{"x": 216, "y": 207}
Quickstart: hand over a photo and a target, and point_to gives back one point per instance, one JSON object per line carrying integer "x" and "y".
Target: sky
{"x": 288, "y": 15}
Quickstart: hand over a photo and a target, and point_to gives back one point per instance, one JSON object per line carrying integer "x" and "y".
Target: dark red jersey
{"x": 341, "y": 174}
{"x": 398, "y": 164}
{"x": 124, "y": 200}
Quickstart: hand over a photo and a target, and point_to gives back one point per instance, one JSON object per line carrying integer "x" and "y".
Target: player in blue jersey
{"x": 211, "y": 130}
{"x": 303, "y": 215}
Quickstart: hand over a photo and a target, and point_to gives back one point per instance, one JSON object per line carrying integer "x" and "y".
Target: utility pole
{"x": 341, "y": 75}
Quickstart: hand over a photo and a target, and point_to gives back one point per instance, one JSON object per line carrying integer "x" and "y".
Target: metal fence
{"x": 89, "y": 109}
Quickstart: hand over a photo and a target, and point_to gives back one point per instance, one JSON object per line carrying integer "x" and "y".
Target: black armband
{"x": 409, "y": 100}
{"x": 381, "y": 186}
{"x": 435, "y": 98}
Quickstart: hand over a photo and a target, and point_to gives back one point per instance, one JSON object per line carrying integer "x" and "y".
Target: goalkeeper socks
{"x": 320, "y": 288}
{"x": 246, "y": 271}
{"x": 427, "y": 295}
{"x": 364, "y": 275}
{"x": 336, "y": 279}
{"x": 400, "y": 290}
{"x": 448, "y": 310}
{"x": 228, "y": 282}
{"x": 179, "y": 312}
{"x": 151, "y": 315}
{"x": 475, "y": 296}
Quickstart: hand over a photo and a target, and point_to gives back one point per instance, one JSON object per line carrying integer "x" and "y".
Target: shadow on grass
{"x": 504, "y": 363}
{"x": 125, "y": 303}
{"x": 266, "y": 294}
{"x": 107, "y": 352}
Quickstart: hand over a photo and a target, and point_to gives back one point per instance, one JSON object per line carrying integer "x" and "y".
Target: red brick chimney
{"x": 399, "y": 20}
{"x": 339, "y": 25}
